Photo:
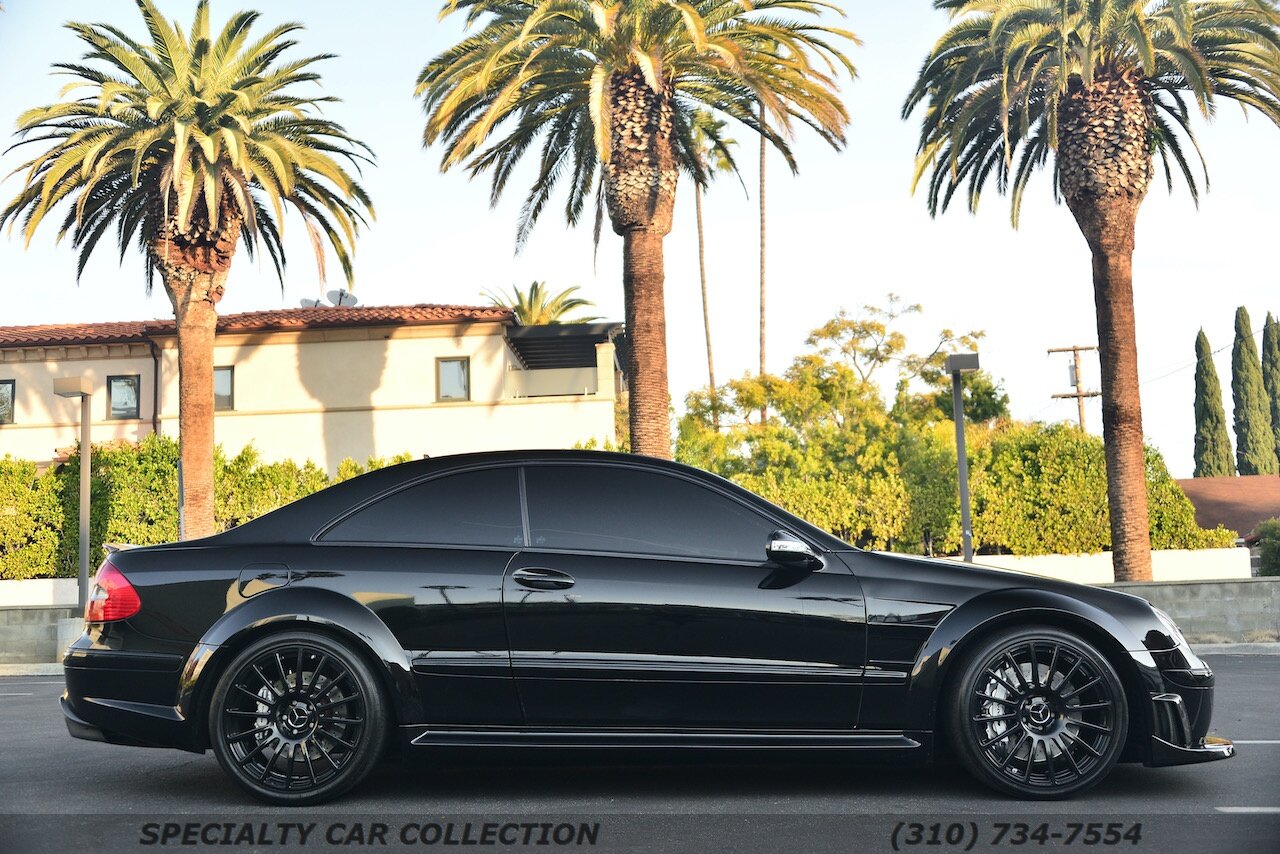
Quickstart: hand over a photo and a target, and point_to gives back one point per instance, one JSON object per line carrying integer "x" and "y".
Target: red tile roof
{"x": 320, "y": 317}
{"x": 1236, "y": 503}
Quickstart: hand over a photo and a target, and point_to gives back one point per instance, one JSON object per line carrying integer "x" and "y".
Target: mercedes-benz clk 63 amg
{"x": 593, "y": 600}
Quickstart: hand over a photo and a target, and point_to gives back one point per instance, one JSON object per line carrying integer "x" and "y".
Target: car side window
{"x": 615, "y": 509}
{"x": 475, "y": 508}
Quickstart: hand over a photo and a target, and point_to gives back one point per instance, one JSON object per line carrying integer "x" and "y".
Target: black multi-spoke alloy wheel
{"x": 297, "y": 718}
{"x": 1037, "y": 712}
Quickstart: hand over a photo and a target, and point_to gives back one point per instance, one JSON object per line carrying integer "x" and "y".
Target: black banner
{"x": 301, "y": 830}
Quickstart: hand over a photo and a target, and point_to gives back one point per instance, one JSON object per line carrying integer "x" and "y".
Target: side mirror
{"x": 786, "y": 550}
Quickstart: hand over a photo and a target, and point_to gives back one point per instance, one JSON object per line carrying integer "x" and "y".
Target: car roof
{"x": 302, "y": 519}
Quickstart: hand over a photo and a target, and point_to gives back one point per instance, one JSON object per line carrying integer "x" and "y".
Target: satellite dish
{"x": 341, "y": 297}
{"x": 309, "y": 303}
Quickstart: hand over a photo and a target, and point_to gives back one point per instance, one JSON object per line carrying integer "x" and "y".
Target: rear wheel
{"x": 297, "y": 718}
{"x": 1038, "y": 713}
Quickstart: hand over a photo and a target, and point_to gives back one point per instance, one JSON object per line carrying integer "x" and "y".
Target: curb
{"x": 1236, "y": 648}
{"x": 30, "y": 670}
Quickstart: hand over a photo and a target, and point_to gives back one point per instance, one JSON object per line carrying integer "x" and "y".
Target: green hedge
{"x": 135, "y": 500}
{"x": 1044, "y": 491}
{"x": 31, "y": 520}
{"x": 1269, "y": 545}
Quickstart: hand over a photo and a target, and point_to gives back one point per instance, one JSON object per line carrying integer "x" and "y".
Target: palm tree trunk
{"x": 1112, "y": 246}
{"x": 642, "y": 283}
{"x": 706, "y": 311}
{"x": 764, "y": 409}
{"x": 640, "y": 191}
{"x": 194, "y": 295}
{"x": 1104, "y": 171}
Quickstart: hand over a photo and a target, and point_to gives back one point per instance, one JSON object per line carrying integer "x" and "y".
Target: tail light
{"x": 112, "y": 596}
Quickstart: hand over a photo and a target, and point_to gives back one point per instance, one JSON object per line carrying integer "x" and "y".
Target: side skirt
{"x": 443, "y": 736}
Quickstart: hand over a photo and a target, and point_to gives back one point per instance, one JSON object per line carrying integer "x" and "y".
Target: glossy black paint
{"x": 519, "y": 641}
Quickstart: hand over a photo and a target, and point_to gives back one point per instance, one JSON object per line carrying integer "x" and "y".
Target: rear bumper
{"x": 95, "y": 705}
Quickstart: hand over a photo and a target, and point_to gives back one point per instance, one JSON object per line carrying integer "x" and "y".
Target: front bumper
{"x": 1181, "y": 713}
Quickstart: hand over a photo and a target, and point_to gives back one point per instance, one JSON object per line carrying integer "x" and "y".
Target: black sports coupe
{"x": 592, "y": 600}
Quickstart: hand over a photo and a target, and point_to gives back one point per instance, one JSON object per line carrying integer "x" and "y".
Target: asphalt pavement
{"x": 58, "y": 790}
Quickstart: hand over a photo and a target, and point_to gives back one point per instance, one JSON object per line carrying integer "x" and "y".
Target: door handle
{"x": 541, "y": 578}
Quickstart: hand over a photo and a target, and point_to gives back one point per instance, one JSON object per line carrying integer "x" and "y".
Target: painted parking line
{"x": 1263, "y": 741}
{"x": 16, "y": 694}
{"x": 1248, "y": 809}
{"x": 11, "y": 684}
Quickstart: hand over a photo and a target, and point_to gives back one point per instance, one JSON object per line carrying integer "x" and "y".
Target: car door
{"x": 431, "y": 558}
{"x": 644, "y": 599}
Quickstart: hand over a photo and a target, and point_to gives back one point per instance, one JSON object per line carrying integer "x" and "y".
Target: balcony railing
{"x": 550, "y": 382}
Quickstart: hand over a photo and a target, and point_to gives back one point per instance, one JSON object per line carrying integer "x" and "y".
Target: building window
{"x": 453, "y": 379}
{"x": 224, "y": 389}
{"x": 123, "y": 394}
{"x": 6, "y": 401}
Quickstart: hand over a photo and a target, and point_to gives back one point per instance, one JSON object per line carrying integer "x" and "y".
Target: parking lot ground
{"x": 57, "y": 793}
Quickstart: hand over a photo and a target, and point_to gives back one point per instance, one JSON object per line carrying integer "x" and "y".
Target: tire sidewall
{"x": 958, "y": 725}
{"x": 368, "y": 752}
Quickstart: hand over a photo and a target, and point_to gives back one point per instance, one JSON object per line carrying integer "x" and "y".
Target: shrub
{"x": 135, "y": 500}
{"x": 1269, "y": 543}
{"x": 31, "y": 520}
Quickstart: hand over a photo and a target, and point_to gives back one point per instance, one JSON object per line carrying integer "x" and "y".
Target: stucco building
{"x": 323, "y": 383}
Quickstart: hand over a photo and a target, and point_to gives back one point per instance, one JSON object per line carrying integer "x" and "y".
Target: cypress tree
{"x": 1213, "y": 446}
{"x": 1271, "y": 372}
{"x": 1255, "y": 440}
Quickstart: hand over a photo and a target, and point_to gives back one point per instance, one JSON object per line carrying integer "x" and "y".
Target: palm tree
{"x": 610, "y": 87}
{"x": 713, "y": 151}
{"x": 539, "y": 307}
{"x": 188, "y": 145}
{"x": 1103, "y": 86}
{"x": 764, "y": 407}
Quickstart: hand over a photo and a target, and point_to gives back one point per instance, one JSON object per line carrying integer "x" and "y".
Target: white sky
{"x": 843, "y": 233}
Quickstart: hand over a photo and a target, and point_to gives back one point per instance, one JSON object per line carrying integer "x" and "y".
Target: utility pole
{"x": 1076, "y": 379}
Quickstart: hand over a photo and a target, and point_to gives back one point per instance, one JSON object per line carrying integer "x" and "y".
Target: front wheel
{"x": 1038, "y": 713}
{"x": 297, "y": 718}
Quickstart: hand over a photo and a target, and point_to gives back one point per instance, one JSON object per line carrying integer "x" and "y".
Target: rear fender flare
{"x": 1021, "y": 606}
{"x": 302, "y": 608}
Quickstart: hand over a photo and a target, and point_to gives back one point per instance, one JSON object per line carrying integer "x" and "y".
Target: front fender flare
{"x": 300, "y": 608}
{"x": 1015, "y": 606}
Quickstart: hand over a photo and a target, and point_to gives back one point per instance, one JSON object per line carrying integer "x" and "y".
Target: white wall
{"x": 37, "y": 592}
{"x": 1166, "y": 565}
{"x": 328, "y": 394}
{"x": 44, "y": 422}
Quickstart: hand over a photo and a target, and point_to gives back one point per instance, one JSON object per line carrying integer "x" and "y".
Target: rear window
{"x": 475, "y": 508}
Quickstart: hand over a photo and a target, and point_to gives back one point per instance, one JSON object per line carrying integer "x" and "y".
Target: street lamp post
{"x": 81, "y": 387}
{"x": 957, "y": 364}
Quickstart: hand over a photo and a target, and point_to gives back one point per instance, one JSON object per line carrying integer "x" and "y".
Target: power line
{"x": 1145, "y": 382}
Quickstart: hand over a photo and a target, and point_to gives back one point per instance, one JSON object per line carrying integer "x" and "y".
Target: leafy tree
{"x": 831, "y": 452}
{"x": 1255, "y": 441}
{"x": 610, "y": 88}
{"x": 188, "y": 145}
{"x": 1271, "y": 371}
{"x": 982, "y": 398}
{"x": 539, "y": 306}
{"x": 1102, "y": 86}
{"x": 1212, "y": 446}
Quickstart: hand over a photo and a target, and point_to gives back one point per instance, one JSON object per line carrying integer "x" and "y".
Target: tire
{"x": 1039, "y": 732}
{"x": 297, "y": 718}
